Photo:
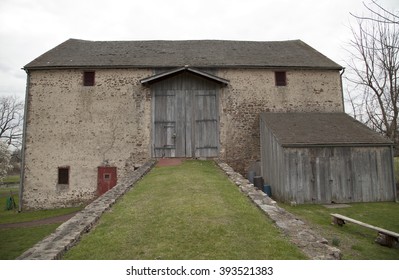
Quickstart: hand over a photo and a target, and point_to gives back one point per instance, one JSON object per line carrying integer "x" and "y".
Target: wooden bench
{"x": 385, "y": 237}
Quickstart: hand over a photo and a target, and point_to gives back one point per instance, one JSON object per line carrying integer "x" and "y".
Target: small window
{"x": 107, "y": 177}
{"x": 63, "y": 175}
{"x": 281, "y": 78}
{"x": 88, "y": 78}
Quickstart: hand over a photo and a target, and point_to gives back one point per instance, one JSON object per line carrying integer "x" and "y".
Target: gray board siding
{"x": 185, "y": 117}
{"x": 326, "y": 174}
{"x": 338, "y": 175}
{"x": 272, "y": 162}
{"x": 75, "y": 53}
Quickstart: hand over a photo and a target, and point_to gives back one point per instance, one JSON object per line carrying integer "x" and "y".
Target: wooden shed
{"x": 325, "y": 158}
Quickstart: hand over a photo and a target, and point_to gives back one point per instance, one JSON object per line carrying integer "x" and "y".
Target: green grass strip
{"x": 191, "y": 211}
{"x": 354, "y": 241}
{"x": 15, "y": 241}
{"x": 12, "y": 179}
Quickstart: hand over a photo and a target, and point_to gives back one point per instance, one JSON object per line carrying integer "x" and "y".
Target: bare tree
{"x": 11, "y": 118}
{"x": 374, "y": 70}
{"x": 5, "y": 157}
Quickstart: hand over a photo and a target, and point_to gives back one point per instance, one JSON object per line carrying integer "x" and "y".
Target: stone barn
{"x": 325, "y": 158}
{"x": 98, "y": 109}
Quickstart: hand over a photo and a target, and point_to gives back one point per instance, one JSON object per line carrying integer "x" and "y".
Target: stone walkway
{"x": 311, "y": 243}
{"x": 69, "y": 233}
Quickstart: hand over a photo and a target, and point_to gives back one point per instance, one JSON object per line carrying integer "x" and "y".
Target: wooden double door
{"x": 185, "y": 123}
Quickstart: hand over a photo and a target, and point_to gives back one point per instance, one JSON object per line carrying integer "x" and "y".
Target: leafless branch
{"x": 382, "y": 14}
{"x": 11, "y": 118}
{"x": 374, "y": 69}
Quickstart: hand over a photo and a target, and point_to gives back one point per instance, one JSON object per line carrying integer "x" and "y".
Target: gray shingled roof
{"x": 75, "y": 53}
{"x": 324, "y": 129}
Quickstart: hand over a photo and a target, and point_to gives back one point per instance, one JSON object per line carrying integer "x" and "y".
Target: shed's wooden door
{"x": 185, "y": 123}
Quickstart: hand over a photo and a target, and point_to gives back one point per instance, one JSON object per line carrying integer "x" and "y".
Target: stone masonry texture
{"x": 80, "y": 128}
{"x": 69, "y": 125}
{"x": 253, "y": 91}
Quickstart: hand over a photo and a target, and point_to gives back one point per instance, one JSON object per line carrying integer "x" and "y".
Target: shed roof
{"x": 321, "y": 129}
{"x": 75, "y": 53}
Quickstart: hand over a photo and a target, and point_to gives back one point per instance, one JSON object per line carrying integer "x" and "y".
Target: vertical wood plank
{"x": 326, "y": 174}
{"x": 180, "y": 123}
{"x": 206, "y": 123}
{"x": 196, "y": 118}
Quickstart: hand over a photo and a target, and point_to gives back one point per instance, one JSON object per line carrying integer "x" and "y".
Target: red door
{"x": 106, "y": 179}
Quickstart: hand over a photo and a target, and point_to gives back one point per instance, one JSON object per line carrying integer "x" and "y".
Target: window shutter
{"x": 88, "y": 78}
{"x": 63, "y": 175}
{"x": 281, "y": 78}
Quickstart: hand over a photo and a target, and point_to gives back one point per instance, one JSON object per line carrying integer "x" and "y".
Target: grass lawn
{"x": 190, "y": 211}
{"x": 355, "y": 242}
{"x": 7, "y": 190}
{"x": 14, "y": 241}
{"x": 12, "y": 179}
{"x": 12, "y": 216}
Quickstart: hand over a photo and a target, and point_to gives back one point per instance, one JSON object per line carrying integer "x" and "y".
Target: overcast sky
{"x": 28, "y": 28}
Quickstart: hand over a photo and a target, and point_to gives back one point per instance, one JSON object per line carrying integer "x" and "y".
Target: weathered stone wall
{"x": 252, "y": 91}
{"x": 70, "y": 125}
